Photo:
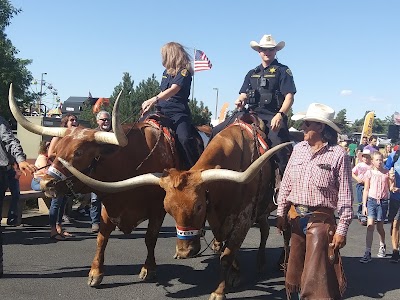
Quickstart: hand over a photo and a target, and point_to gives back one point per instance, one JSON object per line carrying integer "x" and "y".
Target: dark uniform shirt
{"x": 177, "y": 105}
{"x": 274, "y": 81}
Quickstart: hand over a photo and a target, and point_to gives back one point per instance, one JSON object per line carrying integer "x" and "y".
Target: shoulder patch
{"x": 184, "y": 72}
{"x": 289, "y": 72}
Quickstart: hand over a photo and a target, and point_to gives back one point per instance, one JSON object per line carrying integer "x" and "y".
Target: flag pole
{"x": 194, "y": 57}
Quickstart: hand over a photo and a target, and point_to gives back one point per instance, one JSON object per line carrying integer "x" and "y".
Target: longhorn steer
{"x": 231, "y": 201}
{"x": 137, "y": 149}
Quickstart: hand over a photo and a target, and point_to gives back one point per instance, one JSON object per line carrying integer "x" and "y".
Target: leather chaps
{"x": 314, "y": 269}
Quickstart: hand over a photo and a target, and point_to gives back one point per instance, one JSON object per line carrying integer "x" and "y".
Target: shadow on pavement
{"x": 373, "y": 279}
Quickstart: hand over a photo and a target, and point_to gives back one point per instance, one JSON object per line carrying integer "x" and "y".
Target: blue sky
{"x": 342, "y": 53}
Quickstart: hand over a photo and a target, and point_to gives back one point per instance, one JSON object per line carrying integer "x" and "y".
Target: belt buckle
{"x": 302, "y": 210}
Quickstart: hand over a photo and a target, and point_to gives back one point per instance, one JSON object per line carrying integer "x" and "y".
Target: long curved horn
{"x": 114, "y": 187}
{"x": 117, "y": 137}
{"x": 38, "y": 129}
{"x": 241, "y": 177}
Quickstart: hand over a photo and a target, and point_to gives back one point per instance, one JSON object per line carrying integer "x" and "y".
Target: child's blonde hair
{"x": 376, "y": 153}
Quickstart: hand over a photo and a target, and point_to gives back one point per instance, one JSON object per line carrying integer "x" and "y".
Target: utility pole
{"x": 216, "y": 104}
{"x": 40, "y": 96}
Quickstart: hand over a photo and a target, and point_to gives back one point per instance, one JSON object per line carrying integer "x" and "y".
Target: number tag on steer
{"x": 186, "y": 233}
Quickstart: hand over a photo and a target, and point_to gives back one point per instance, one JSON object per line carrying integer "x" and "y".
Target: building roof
{"x": 75, "y": 99}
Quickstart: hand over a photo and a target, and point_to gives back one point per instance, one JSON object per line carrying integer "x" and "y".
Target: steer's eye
{"x": 78, "y": 153}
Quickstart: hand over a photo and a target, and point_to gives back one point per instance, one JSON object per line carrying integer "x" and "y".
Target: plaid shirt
{"x": 319, "y": 179}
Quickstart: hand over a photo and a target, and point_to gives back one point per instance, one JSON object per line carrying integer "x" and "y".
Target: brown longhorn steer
{"x": 137, "y": 149}
{"x": 231, "y": 201}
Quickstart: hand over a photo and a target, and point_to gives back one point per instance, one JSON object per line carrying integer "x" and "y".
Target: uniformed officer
{"x": 268, "y": 90}
{"x": 173, "y": 100}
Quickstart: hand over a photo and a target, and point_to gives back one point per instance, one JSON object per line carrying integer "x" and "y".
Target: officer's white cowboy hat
{"x": 318, "y": 112}
{"x": 267, "y": 41}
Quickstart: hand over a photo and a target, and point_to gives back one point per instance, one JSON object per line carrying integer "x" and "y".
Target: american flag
{"x": 201, "y": 61}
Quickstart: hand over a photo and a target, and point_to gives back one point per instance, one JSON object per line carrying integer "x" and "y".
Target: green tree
{"x": 126, "y": 100}
{"x": 88, "y": 115}
{"x": 379, "y": 126}
{"x": 341, "y": 121}
{"x": 145, "y": 90}
{"x": 12, "y": 69}
{"x": 201, "y": 115}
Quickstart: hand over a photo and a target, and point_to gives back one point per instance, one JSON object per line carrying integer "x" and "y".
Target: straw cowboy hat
{"x": 267, "y": 41}
{"x": 318, "y": 112}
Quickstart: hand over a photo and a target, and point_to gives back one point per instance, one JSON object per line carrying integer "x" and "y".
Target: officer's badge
{"x": 289, "y": 72}
{"x": 272, "y": 70}
{"x": 268, "y": 38}
{"x": 184, "y": 72}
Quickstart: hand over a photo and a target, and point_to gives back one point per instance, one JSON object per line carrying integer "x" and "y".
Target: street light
{"x": 41, "y": 91}
{"x": 216, "y": 103}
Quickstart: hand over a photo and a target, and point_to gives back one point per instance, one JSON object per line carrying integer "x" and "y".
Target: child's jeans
{"x": 377, "y": 211}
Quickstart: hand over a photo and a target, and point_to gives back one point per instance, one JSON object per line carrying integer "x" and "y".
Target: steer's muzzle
{"x": 51, "y": 187}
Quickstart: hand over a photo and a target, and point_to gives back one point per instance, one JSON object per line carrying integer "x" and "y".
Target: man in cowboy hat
{"x": 268, "y": 90}
{"x": 317, "y": 181}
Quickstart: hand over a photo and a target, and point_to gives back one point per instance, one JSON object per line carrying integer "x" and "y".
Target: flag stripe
{"x": 201, "y": 61}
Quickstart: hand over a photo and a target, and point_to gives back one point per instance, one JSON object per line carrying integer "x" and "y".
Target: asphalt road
{"x": 37, "y": 268}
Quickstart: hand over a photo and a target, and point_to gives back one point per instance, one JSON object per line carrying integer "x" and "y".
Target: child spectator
{"x": 41, "y": 163}
{"x": 393, "y": 163}
{"x": 375, "y": 203}
{"x": 358, "y": 175}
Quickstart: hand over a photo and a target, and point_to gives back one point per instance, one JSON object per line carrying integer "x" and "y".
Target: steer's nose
{"x": 187, "y": 248}
{"x": 47, "y": 185}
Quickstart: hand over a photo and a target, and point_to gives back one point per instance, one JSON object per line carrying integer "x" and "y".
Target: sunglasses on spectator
{"x": 267, "y": 49}
{"x": 73, "y": 120}
{"x": 105, "y": 119}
